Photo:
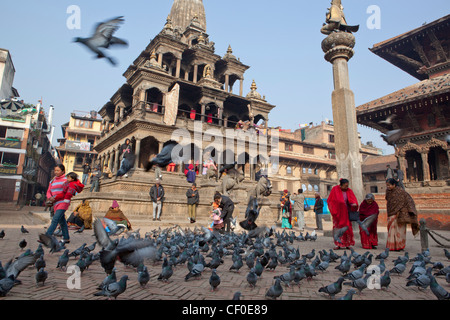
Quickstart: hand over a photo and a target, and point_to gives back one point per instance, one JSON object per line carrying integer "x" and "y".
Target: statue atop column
{"x": 335, "y": 19}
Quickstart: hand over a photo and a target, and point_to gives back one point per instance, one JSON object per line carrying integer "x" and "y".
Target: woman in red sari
{"x": 367, "y": 208}
{"x": 340, "y": 201}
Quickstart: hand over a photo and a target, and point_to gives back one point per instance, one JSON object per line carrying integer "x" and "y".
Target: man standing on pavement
{"x": 86, "y": 172}
{"x": 318, "y": 209}
{"x": 95, "y": 179}
{"x": 193, "y": 200}
{"x": 400, "y": 177}
{"x": 389, "y": 172}
{"x": 227, "y": 206}
{"x": 299, "y": 208}
{"x": 157, "y": 196}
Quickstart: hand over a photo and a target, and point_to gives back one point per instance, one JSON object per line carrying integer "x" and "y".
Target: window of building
{"x": 331, "y": 155}
{"x": 3, "y": 132}
{"x": 372, "y": 178}
{"x": 310, "y": 188}
{"x": 304, "y": 187}
{"x": 12, "y": 133}
{"x": 10, "y": 158}
{"x": 373, "y": 189}
{"x": 331, "y": 138}
{"x": 274, "y": 167}
{"x": 308, "y": 150}
{"x": 288, "y": 147}
{"x": 83, "y": 124}
{"x": 289, "y": 170}
{"x": 309, "y": 170}
{"x": 316, "y": 171}
{"x": 304, "y": 170}
{"x": 316, "y": 188}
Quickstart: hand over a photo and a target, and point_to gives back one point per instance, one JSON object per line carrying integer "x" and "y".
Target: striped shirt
{"x": 56, "y": 187}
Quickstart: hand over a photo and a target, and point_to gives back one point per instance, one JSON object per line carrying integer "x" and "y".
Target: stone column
{"x": 220, "y": 112}
{"x": 241, "y": 86}
{"x": 107, "y": 158}
{"x": 195, "y": 73}
{"x": 227, "y": 83}
{"x": 116, "y": 116}
{"x": 137, "y": 153}
{"x": 160, "y": 59}
{"x": 203, "y": 111}
{"x": 425, "y": 166}
{"x": 117, "y": 161}
{"x": 338, "y": 48}
{"x": 177, "y": 72}
{"x": 121, "y": 110}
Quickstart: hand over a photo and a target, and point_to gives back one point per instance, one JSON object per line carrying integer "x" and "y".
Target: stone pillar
{"x": 117, "y": 161}
{"x": 121, "y": 110}
{"x": 425, "y": 166}
{"x": 220, "y": 112}
{"x": 137, "y": 153}
{"x": 160, "y": 59}
{"x": 195, "y": 73}
{"x": 186, "y": 75}
{"x": 177, "y": 72}
{"x": 338, "y": 48}
{"x": 203, "y": 111}
{"x": 241, "y": 87}
{"x": 107, "y": 158}
{"x": 227, "y": 83}
{"x": 116, "y": 116}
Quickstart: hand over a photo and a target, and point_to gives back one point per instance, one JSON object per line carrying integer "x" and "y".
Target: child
{"x": 70, "y": 188}
{"x": 217, "y": 220}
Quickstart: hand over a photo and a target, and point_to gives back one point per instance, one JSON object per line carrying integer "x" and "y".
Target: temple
{"x": 179, "y": 82}
{"x": 417, "y": 118}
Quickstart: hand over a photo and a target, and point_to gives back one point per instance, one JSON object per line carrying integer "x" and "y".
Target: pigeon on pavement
{"x": 113, "y": 290}
{"x": 334, "y": 288}
{"x": 275, "y": 291}
{"x": 143, "y": 277}
{"x": 438, "y": 291}
{"x": 41, "y": 276}
{"x": 214, "y": 280}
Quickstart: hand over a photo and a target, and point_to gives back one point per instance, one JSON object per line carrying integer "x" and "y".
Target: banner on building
{"x": 78, "y": 146}
{"x": 171, "y": 107}
{"x": 10, "y": 144}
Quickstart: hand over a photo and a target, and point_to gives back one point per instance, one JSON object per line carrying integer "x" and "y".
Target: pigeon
{"x": 41, "y": 276}
{"x": 447, "y": 254}
{"x": 39, "y": 251}
{"x": 338, "y": 233}
{"x": 398, "y": 268}
{"x": 6, "y": 284}
{"x": 323, "y": 266}
{"x": 91, "y": 247}
{"x": 81, "y": 264}
{"x": 344, "y": 267}
{"x": 385, "y": 280}
{"x": 447, "y": 277}
{"x": 40, "y": 263}
{"x": 78, "y": 251}
{"x": 402, "y": 259}
{"x": 196, "y": 271}
{"x": 388, "y": 120}
{"x": 287, "y": 277}
{"x": 23, "y": 244}
{"x": 310, "y": 255}
{"x": 437, "y": 290}
{"x": 110, "y": 278}
{"x": 51, "y": 242}
{"x": 334, "y": 288}
{"x": 166, "y": 272}
{"x": 214, "y": 263}
{"x": 103, "y": 38}
{"x": 360, "y": 283}
{"x": 63, "y": 260}
{"x": 443, "y": 272}
{"x": 113, "y": 290}
{"x": 273, "y": 263}
{"x": 422, "y": 281}
{"x": 214, "y": 280}
{"x": 258, "y": 268}
{"x": 358, "y": 273}
{"x": 237, "y": 296}
{"x": 2, "y": 234}
{"x": 348, "y": 295}
{"x": 392, "y": 136}
{"x": 19, "y": 264}
{"x": 383, "y": 255}
{"x": 275, "y": 291}
{"x": 237, "y": 265}
{"x": 252, "y": 278}
{"x": 143, "y": 277}
{"x": 23, "y": 230}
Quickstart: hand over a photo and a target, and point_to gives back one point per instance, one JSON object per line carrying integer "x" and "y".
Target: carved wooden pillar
{"x": 425, "y": 166}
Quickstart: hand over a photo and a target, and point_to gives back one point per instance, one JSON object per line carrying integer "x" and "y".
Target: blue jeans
{"x": 59, "y": 218}
{"x": 85, "y": 177}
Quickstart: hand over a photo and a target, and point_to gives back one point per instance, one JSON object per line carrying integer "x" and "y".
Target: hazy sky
{"x": 279, "y": 40}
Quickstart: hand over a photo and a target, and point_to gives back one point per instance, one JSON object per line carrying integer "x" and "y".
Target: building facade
{"x": 7, "y": 72}
{"x": 80, "y": 134}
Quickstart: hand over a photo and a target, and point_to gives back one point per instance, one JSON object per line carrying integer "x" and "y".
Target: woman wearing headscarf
{"x": 286, "y": 210}
{"x": 81, "y": 217}
{"x": 368, "y": 208}
{"x": 115, "y": 214}
{"x": 401, "y": 211}
{"x": 341, "y": 201}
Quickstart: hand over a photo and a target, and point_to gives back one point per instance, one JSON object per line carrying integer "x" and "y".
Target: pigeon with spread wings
{"x": 103, "y": 38}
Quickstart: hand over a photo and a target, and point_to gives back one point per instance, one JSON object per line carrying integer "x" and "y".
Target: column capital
{"x": 338, "y": 45}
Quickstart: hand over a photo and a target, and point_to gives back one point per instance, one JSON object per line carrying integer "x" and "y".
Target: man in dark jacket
{"x": 192, "y": 200}
{"x": 128, "y": 158}
{"x": 318, "y": 209}
{"x": 86, "y": 172}
{"x": 157, "y": 196}
{"x": 227, "y": 207}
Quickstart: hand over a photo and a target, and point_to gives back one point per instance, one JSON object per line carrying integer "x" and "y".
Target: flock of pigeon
{"x": 203, "y": 251}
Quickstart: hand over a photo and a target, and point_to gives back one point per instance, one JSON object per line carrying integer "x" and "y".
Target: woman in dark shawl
{"x": 401, "y": 211}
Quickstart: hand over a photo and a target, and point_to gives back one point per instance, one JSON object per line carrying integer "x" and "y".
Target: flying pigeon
{"x": 163, "y": 158}
{"x": 388, "y": 119}
{"x": 103, "y": 38}
{"x": 6, "y": 284}
{"x": 51, "y": 242}
{"x": 391, "y": 136}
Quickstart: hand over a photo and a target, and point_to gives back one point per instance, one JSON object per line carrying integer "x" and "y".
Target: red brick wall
{"x": 433, "y": 207}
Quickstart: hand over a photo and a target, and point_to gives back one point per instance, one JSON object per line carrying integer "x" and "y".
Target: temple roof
{"x": 373, "y": 164}
{"x": 183, "y": 11}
